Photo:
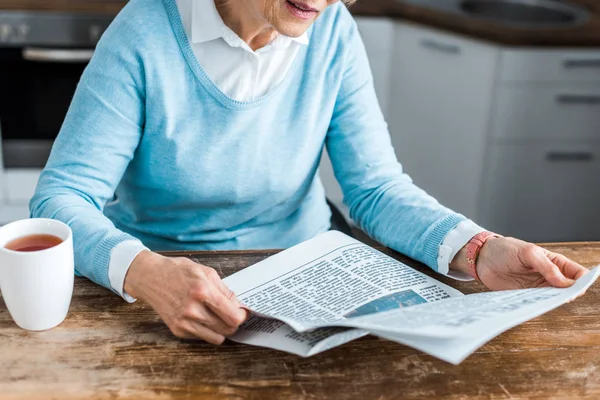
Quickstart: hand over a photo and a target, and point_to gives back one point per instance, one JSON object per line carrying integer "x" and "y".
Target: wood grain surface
{"x": 108, "y": 349}
{"x": 586, "y": 35}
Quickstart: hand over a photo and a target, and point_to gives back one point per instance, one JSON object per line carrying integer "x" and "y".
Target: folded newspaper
{"x": 333, "y": 289}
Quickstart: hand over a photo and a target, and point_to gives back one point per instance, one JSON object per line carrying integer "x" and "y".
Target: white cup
{"x": 37, "y": 286}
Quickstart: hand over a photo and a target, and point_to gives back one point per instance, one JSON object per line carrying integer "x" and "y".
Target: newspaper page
{"x": 465, "y": 324}
{"x": 323, "y": 281}
{"x": 274, "y": 334}
{"x": 333, "y": 289}
{"x": 475, "y": 314}
{"x": 456, "y": 349}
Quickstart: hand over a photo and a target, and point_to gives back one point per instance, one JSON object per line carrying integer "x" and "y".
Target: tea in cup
{"x": 37, "y": 272}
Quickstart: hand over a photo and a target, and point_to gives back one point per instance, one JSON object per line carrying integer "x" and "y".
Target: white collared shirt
{"x": 237, "y": 70}
{"x": 244, "y": 74}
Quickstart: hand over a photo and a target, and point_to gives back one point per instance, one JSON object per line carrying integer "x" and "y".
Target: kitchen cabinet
{"x": 442, "y": 91}
{"x": 17, "y": 187}
{"x": 540, "y": 181}
{"x": 550, "y": 110}
{"x": 508, "y": 137}
{"x": 543, "y": 191}
{"x": 378, "y": 37}
{"x": 12, "y": 212}
{"x": 550, "y": 65}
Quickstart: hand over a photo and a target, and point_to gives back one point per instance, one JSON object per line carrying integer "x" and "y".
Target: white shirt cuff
{"x": 121, "y": 258}
{"x": 456, "y": 240}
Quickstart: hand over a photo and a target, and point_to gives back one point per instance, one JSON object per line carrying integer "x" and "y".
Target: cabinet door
{"x": 17, "y": 187}
{"x": 20, "y": 185}
{"x": 546, "y": 192}
{"x": 550, "y": 65}
{"x": 442, "y": 88}
{"x": 564, "y": 111}
{"x": 10, "y": 213}
{"x": 378, "y": 37}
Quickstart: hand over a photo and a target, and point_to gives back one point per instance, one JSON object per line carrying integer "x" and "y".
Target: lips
{"x": 302, "y": 6}
{"x": 301, "y": 10}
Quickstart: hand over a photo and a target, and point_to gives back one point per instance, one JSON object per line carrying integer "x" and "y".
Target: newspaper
{"x": 333, "y": 289}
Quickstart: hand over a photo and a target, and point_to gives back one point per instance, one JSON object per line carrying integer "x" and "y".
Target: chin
{"x": 292, "y": 29}
{"x": 293, "y": 33}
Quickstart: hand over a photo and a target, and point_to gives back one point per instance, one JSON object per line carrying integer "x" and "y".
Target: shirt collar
{"x": 208, "y": 25}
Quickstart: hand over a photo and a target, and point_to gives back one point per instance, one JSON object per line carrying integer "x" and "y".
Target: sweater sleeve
{"x": 92, "y": 151}
{"x": 382, "y": 199}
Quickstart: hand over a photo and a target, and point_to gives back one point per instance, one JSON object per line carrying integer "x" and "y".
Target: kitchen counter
{"x": 92, "y": 6}
{"x": 586, "y": 35}
{"x": 107, "y": 348}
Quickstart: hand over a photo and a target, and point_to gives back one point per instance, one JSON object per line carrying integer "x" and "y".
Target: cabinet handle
{"x": 590, "y": 63}
{"x": 442, "y": 47}
{"x": 566, "y": 156}
{"x": 578, "y": 99}
{"x": 57, "y": 55}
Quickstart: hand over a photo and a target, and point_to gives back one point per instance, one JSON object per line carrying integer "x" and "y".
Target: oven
{"x": 42, "y": 57}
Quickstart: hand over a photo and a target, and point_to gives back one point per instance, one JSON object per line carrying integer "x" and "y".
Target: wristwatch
{"x": 474, "y": 247}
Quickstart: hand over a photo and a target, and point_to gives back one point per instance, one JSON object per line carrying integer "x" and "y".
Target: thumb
{"x": 539, "y": 261}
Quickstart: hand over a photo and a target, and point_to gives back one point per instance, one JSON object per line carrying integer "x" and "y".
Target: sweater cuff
{"x": 102, "y": 257}
{"x": 121, "y": 258}
{"x": 434, "y": 239}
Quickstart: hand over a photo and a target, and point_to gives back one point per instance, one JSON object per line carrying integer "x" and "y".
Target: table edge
{"x": 176, "y": 253}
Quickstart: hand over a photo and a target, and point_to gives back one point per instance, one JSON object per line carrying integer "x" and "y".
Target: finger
{"x": 225, "y": 308}
{"x": 537, "y": 259}
{"x": 216, "y": 279}
{"x": 569, "y": 268}
{"x": 196, "y": 330}
{"x": 213, "y": 322}
{"x": 228, "y": 293}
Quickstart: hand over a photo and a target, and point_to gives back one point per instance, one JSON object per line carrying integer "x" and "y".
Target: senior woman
{"x": 199, "y": 124}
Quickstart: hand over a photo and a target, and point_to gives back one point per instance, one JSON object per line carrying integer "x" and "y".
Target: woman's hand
{"x": 507, "y": 263}
{"x": 190, "y": 298}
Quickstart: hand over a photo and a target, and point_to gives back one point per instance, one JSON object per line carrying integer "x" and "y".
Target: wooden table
{"x": 110, "y": 349}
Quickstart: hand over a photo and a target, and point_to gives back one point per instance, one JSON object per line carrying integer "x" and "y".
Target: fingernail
{"x": 246, "y": 314}
{"x": 570, "y": 282}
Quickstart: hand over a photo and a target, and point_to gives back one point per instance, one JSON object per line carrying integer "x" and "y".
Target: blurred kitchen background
{"x": 493, "y": 105}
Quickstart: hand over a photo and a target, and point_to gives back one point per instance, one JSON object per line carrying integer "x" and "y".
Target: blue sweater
{"x": 152, "y": 150}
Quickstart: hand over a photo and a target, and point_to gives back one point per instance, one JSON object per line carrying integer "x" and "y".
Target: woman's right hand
{"x": 190, "y": 298}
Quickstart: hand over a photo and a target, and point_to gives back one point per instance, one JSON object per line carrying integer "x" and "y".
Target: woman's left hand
{"x": 508, "y": 263}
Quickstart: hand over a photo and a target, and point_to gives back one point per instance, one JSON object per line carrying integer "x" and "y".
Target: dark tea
{"x": 34, "y": 243}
